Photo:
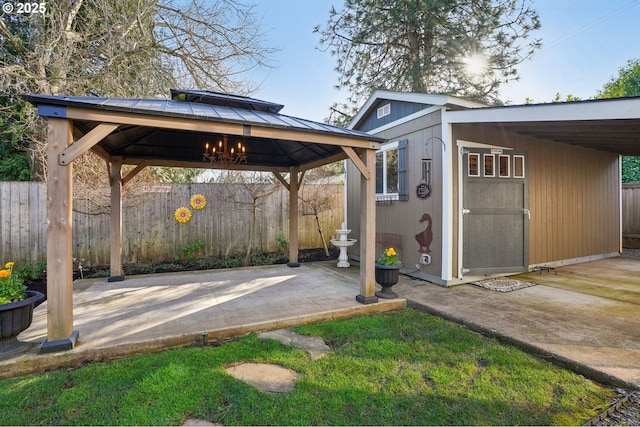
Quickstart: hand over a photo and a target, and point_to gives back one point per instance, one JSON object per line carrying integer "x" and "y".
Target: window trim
{"x": 384, "y": 195}
{"x": 477, "y": 166}
{"x": 383, "y": 110}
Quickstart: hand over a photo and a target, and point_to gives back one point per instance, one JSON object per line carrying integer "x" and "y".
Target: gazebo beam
{"x": 200, "y": 165}
{"x": 81, "y": 146}
{"x": 281, "y": 179}
{"x": 132, "y": 173}
{"x": 60, "y": 333}
{"x": 211, "y": 126}
{"x": 322, "y": 162}
{"x": 357, "y": 162}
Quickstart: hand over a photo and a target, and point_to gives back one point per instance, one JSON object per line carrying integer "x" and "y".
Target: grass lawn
{"x": 396, "y": 368}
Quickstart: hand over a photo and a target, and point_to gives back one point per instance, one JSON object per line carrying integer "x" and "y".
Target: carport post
{"x": 60, "y": 333}
{"x": 368, "y": 230}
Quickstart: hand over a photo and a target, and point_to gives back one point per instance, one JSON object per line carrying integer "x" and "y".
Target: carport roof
{"x": 174, "y": 132}
{"x": 611, "y": 125}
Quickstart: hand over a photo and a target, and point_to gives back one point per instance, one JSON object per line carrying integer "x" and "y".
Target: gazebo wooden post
{"x": 368, "y": 230}
{"x": 60, "y": 333}
{"x": 115, "y": 180}
{"x": 293, "y": 217}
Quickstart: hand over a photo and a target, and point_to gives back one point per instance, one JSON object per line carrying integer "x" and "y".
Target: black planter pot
{"x": 17, "y": 316}
{"x": 387, "y": 276}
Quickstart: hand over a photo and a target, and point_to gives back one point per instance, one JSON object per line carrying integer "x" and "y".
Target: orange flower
{"x": 198, "y": 201}
{"x": 391, "y": 252}
{"x": 4, "y": 273}
{"x": 182, "y": 215}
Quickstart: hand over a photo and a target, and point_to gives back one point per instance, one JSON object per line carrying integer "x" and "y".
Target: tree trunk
{"x": 324, "y": 242}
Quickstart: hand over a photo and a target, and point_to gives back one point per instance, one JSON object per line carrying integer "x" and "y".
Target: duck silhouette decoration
{"x": 425, "y": 237}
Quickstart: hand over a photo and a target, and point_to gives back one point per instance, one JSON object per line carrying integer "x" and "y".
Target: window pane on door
{"x": 473, "y": 166}
{"x": 518, "y": 166}
{"x": 489, "y": 167}
{"x": 504, "y": 166}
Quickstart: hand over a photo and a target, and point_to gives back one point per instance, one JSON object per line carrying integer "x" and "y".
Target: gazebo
{"x": 195, "y": 129}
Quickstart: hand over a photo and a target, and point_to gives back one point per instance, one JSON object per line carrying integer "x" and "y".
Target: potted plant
{"x": 16, "y": 305}
{"x": 387, "y": 272}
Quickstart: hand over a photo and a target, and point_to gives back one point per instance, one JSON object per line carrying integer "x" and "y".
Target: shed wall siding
{"x": 401, "y": 219}
{"x": 574, "y": 195}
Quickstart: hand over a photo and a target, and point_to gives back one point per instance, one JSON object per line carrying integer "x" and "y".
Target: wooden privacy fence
{"x": 150, "y": 232}
{"x": 631, "y": 215}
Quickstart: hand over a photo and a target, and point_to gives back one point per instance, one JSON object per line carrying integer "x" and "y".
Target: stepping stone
{"x": 266, "y": 377}
{"x": 315, "y": 346}
{"x": 196, "y": 422}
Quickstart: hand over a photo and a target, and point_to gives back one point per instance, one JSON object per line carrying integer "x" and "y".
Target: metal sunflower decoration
{"x": 182, "y": 214}
{"x": 198, "y": 202}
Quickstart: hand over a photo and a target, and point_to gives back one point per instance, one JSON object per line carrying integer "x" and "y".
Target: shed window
{"x": 518, "y": 166}
{"x": 489, "y": 165}
{"x": 391, "y": 171}
{"x": 387, "y": 180}
{"x": 504, "y": 165}
{"x": 473, "y": 166}
{"x": 385, "y": 110}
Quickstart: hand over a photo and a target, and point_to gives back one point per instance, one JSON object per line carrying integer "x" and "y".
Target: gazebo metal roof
{"x": 273, "y": 141}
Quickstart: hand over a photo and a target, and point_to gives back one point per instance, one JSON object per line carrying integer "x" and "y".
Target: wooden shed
{"x": 465, "y": 191}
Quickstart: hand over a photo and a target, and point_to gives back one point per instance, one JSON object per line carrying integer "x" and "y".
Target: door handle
{"x": 527, "y": 212}
{"x": 465, "y": 211}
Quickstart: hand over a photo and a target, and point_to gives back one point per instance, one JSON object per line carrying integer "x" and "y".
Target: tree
{"x": 627, "y": 83}
{"x": 466, "y": 48}
{"x": 128, "y": 48}
{"x": 630, "y": 169}
{"x": 250, "y": 193}
{"x": 317, "y": 198}
{"x": 177, "y": 175}
{"x": 557, "y": 98}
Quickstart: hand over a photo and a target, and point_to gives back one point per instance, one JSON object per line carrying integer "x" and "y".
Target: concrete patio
{"x": 153, "y": 312}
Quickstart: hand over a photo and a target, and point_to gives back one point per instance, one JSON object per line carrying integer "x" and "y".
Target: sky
{"x": 584, "y": 44}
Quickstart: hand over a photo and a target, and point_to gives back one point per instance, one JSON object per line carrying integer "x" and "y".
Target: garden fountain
{"x": 343, "y": 243}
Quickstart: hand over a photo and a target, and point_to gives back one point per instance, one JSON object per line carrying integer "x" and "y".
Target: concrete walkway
{"x": 595, "y": 333}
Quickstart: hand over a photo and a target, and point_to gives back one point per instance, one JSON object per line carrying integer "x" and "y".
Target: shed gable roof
{"x": 412, "y": 103}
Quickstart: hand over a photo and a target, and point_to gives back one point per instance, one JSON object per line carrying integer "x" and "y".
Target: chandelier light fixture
{"x": 225, "y": 154}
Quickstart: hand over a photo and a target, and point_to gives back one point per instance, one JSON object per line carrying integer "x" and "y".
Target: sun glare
{"x": 475, "y": 65}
